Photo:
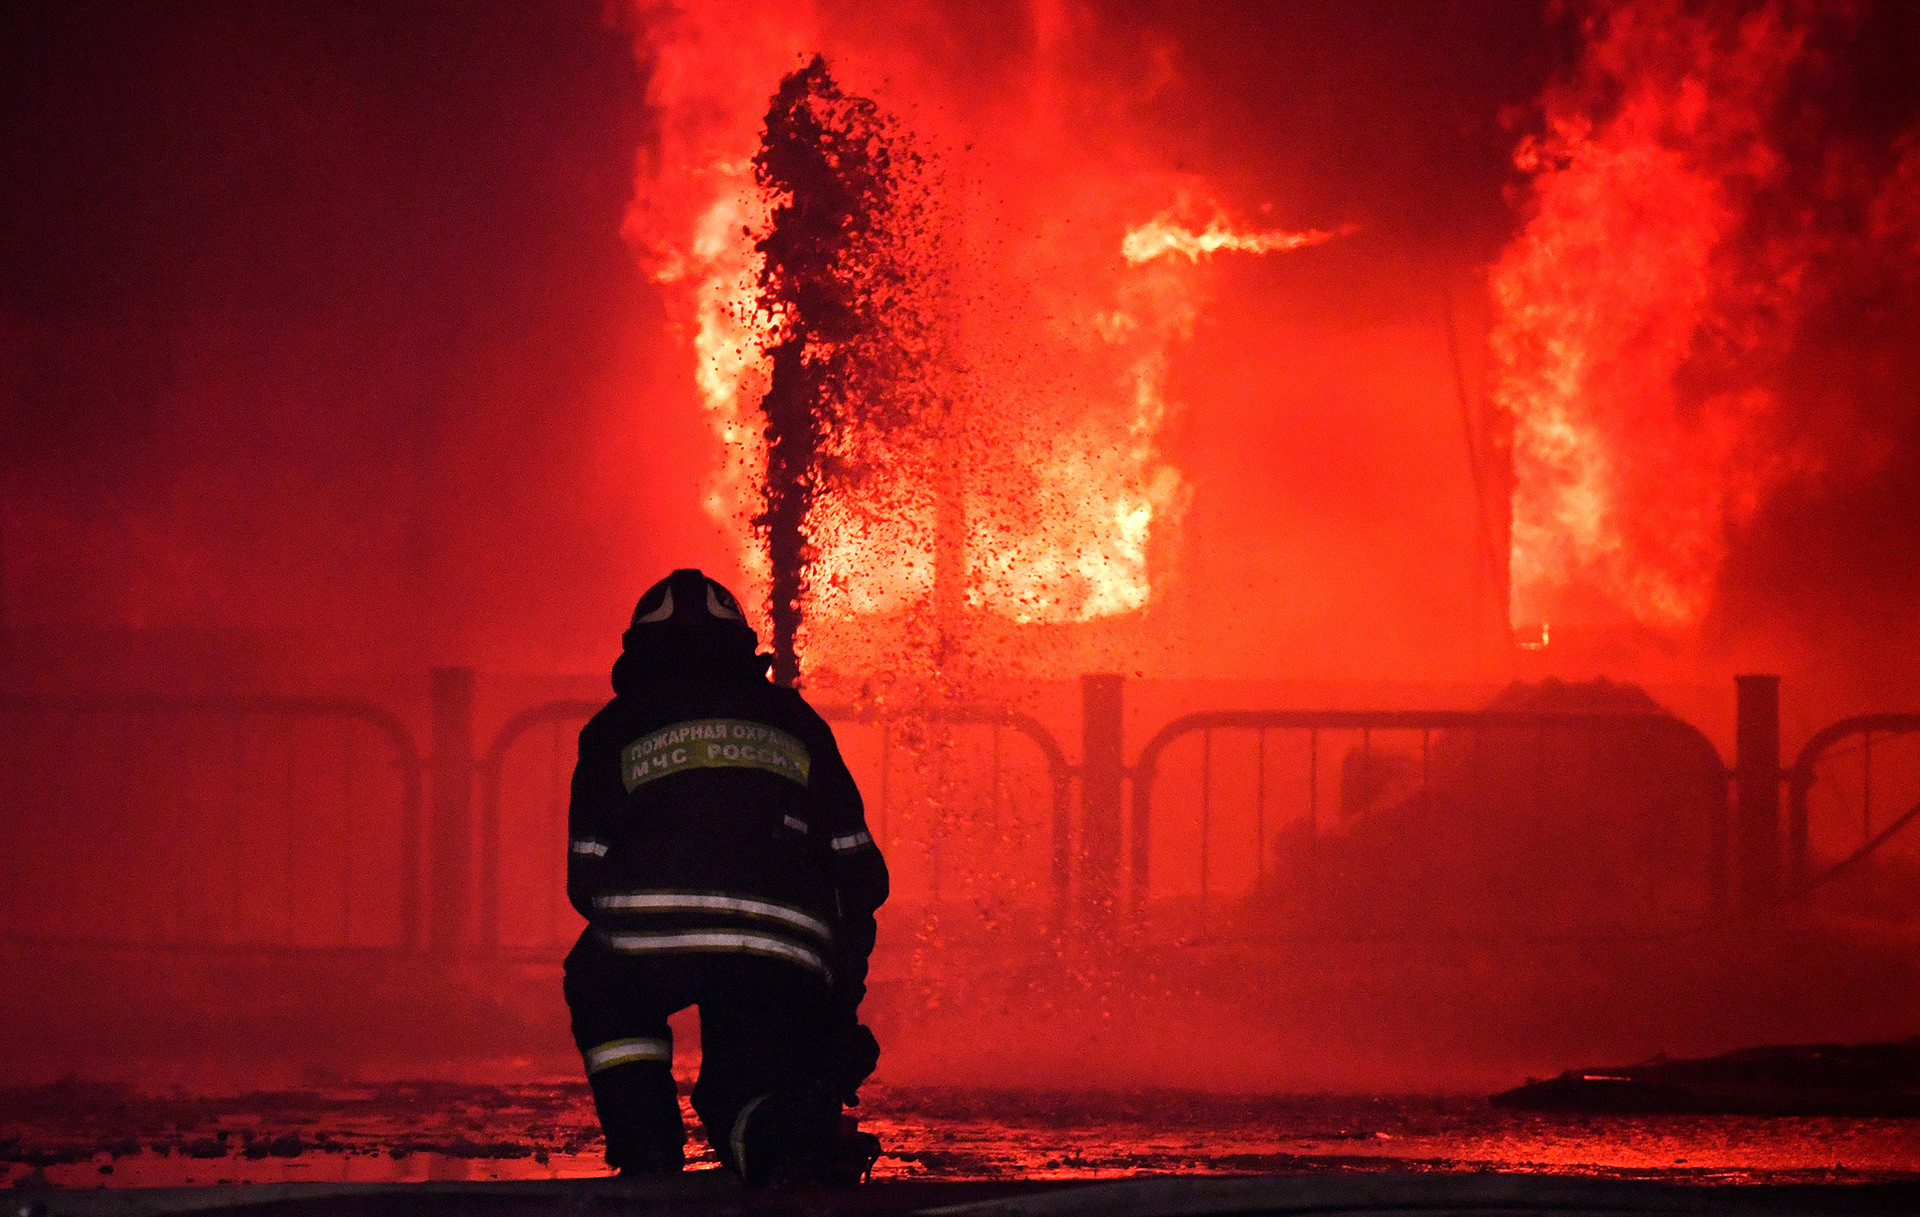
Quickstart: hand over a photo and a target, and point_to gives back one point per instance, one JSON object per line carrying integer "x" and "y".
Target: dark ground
{"x": 75, "y": 1134}
{"x": 708, "y": 1193}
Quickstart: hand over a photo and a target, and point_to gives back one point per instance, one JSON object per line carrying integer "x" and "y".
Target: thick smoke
{"x": 318, "y": 343}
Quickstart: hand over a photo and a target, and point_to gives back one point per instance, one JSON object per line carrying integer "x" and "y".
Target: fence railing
{"x": 1687, "y": 740}
{"x": 1802, "y": 777}
{"x": 1060, "y": 773}
{"x": 492, "y": 768}
{"x": 300, "y": 822}
{"x": 191, "y": 821}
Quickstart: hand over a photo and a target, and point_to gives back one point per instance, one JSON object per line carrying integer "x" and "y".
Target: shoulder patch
{"x": 714, "y": 743}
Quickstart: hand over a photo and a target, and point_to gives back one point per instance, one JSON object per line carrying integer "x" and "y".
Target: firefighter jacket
{"x": 712, "y": 813}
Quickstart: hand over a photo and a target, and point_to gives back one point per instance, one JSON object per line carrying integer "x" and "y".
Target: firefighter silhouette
{"x": 720, "y": 854}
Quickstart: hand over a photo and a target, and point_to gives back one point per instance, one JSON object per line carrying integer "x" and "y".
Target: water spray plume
{"x": 826, "y": 162}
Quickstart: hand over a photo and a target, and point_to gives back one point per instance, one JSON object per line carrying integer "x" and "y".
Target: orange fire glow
{"x": 1635, "y": 282}
{"x": 1165, "y": 236}
{"x": 1049, "y": 455}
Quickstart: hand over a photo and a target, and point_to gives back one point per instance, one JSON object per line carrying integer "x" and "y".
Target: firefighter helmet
{"x": 687, "y": 602}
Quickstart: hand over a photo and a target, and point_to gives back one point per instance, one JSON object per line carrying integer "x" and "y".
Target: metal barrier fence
{"x": 299, "y": 822}
{"x": 959, "y": 826}
{"x": 1464, "y": 762}
{"x": 209, "y": 821}
{"x": 538, "y": 899}
{"x": 1010, "y": 840}
{"x": 1848, "y": 739}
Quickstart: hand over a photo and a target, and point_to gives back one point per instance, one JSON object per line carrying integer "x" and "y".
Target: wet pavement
{"x": 92, "y": 1135}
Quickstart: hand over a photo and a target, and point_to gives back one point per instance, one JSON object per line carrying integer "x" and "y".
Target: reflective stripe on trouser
{"x": 738, "y": 1141}
{"x": 627, "y": 1051}
{"x": 668, "y": 901}
{"x": 640, "y": 1114}
{"x": 750, "y": 942}
{"x": 781, "y": 1130}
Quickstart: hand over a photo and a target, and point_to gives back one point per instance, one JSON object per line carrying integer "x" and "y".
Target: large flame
{"x": 694, "y": 211}
{"x": 1636, "y": 313}
{"x": 1166, "y": 235}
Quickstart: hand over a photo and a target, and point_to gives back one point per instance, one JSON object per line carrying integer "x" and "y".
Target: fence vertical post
{"x": 1798, "y": 783}
{"x": 1756, "y": 769}
{"x": 1060, "y": 779}
{"x": 1102, "y": 770}
{"x": 488, "y": 770}
{"x": 451, "y": 851}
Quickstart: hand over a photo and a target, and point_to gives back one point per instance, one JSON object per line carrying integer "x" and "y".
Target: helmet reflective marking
{"x": 660, "y": 614}
{"x": 714, "y": 604}
{"x": 677, "y": 603}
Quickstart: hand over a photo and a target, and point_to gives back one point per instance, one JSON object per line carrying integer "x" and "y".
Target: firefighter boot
{"x": 781, "y": 1138}
{"x": 852, "y": 1157}
{"x": 639, "y": 1112}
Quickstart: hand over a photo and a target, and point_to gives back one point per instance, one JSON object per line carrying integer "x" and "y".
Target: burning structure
{"x": 978, "y": 438}
{"x": 1682, "y": 251}
{"x": 1642, "y": 402}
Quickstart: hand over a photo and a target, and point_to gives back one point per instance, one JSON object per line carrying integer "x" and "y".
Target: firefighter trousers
{"x": 764, "y": 1030}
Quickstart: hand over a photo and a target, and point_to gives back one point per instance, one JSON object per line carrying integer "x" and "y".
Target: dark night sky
{"x": 284, "y": 159}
